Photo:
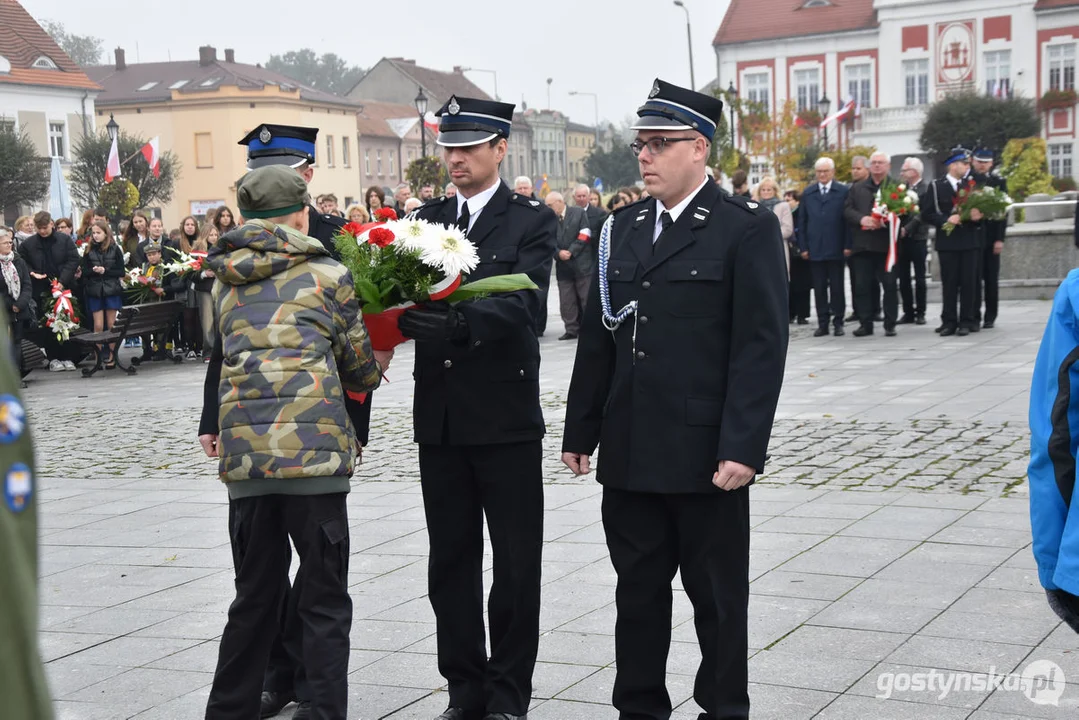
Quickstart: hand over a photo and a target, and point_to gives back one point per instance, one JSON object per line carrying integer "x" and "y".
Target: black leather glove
{"x": 433, "y": 321}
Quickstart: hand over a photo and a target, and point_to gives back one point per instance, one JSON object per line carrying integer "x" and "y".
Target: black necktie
{"x": 462, "y": 219}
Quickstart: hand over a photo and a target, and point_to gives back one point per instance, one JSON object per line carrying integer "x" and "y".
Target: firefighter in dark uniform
{"x": 268, "y": 144}
{"x": 479, "y": 426}
{"x": 989, "y": 259}
{"x": 677, "y": 377}
{"x": 958, "y": 251}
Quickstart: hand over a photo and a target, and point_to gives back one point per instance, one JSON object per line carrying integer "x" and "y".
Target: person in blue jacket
{"x": 1054, "y": 437}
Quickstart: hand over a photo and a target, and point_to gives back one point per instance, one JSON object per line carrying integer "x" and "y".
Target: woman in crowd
{"x": 85, "y": 226}
{"x": 595, "y": 199}
{"x": 65, "y": 226}
{"x": 189, "y": 233}
{"x": 135, "y": 234}
{"x": 24, "y": 228}
{"x": 801, "y": 283}
{"x": 768, "y": 196}
{"x": 14, "y": 290}
{"x": 102, "y": 268}
{"x": 375, "y": 199}
{"x": 223, "y": 220}
{"x": 204, "y": 284}
{"x": 357, "y": 214}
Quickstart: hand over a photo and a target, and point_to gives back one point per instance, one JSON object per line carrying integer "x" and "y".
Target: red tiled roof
{"x": 437, "y": 83}
{"x": 754, "y": 20}
{"x": 1050, "y": 4}
{"x": 372, "y": 119}
{"x": 22, "y": 41}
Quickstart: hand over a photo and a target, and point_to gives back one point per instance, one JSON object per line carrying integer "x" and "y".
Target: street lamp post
{"x": 112, "y": 127}
{"x": 472, "y": 69}
{"x": 595, "y": 103}
{"x": 421, "y": 108}
{"x": 823, "y": 106}
{"x": 732, "y": 99}
{"x": 689, "y": 43}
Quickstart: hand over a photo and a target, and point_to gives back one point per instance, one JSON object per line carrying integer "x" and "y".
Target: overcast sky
{"x": 613, "y": 48}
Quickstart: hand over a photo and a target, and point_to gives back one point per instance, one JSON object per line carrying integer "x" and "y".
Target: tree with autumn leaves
{"x": 779, "y": 138}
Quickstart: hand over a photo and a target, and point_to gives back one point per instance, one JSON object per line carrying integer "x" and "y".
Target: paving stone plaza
{"x": 891, "y": 541}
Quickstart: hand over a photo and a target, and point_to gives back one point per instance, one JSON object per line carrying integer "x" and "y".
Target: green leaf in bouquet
{"x": 374, "y": 307}
{"x": 492, "y": 285}
{"x": 386, "y": 287}
{"x": 368, "y": 291}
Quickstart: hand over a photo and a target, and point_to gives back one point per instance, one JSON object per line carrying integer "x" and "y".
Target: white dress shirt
{"x": 825, "y": 188}
{"x": 675, "y": 211}
{"x": 477, "y": 202}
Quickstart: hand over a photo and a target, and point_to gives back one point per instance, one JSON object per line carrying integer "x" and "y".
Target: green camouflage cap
{"x": 271, "y": 191}
{"x": 152, "y": 246}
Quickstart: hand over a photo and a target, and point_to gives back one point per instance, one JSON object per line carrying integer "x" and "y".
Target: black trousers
{"x": 800, "y": 286}
{"x": 461, "y": 485}
{"x": 828, "y": 291}
{"x": 911, "y": 257}
{"x": 853, "y": 267}
{"x": 958, "y": 278}
{"x": 260, "y": 528}
{"x": 285, "y": 671}
{"x": 988, "y": 281}
{"x": 650, "y": 537}
{"x": 870, "y": 277}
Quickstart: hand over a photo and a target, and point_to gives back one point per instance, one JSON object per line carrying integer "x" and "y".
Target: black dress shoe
{"x": 862, "y": 331}
{"x": 946, "y": 331}
{"x": 839, "y": 332}
{"x": 803, "y": 321}
{"x": 941, "y": 329}
{"x": 568, "y": 336}
{"x": 851, "y": 318}
{"x": 906, "y": 320}
{"x": 889, "y": 332}
{"x": 962, "y": 332}
{"x": 988, "y": 325}
{"x": 504, "y": 716}
{"x": 820, "y": 332}
{"x": 303, "y": 711}
{"x": 272, "y": 703}
{"x": 974, "y": 328}
{"x": 919, "y": 319}
{"x": 455, "y": 713}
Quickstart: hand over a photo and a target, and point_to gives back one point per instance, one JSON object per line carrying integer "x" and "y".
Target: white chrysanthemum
{"x": 449, "y": 250}
{"x": 410, "y": 234}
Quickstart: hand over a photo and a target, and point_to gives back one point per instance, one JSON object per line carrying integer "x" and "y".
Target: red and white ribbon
{"x": 63, "y": 299}
{"x": 893, "y": 238}
{"x": 445, "y": 287}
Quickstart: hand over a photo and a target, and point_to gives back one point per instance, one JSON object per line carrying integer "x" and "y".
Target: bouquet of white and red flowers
{"x": 139, "y": 288}
{"x": 891, "y": 203}
{"x": 397, "y": 264}
{"x": 61, "y": 315}
{"x": 991, "y": 202}
{"x": 186, "y": 263}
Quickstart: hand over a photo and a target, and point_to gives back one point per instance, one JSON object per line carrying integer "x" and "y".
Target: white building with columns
{"x": 895, "y": 57}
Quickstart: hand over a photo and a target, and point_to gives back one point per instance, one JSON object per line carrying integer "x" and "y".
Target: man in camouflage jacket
{"x": 290, "y": 342}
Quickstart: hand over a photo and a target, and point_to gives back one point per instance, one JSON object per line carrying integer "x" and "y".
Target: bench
{"x": 131, "y": 321}
{"x": 33, "y": 358}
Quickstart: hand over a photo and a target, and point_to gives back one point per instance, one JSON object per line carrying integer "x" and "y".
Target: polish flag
{"x": 112, "y": 169}
{"x": 585, "y": 235}
{"x": 149, "y": 151}
{"x": 849, "y": 107}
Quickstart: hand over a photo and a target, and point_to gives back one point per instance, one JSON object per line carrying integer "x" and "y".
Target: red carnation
{"x": 381, "y": 236}
{"x": 895, "y": 196}
{"x": 385, "y": 214}
{"x": 353, "y": 228}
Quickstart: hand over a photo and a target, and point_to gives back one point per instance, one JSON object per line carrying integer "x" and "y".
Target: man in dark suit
{"x": 582, "y": 197}
{"x": 870, "y": 250}
{"x": 912, "y": 250}
{"x": 681, "y": 398}
{"x": 478, "y": 422}
{"x": 825, "y": 241}
{"x": 573, "y": 263}
{"x": 989, "y": 260}
{"x": 958, "y": 250}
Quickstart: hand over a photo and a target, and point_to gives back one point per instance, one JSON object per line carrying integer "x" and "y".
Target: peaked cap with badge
{"x": 290, "y": 145}
{"x": 957, "y": 154}
{"x": 670, "y": 107}
{"x": 463, "y": 121}
{"x": 982, "y": 154}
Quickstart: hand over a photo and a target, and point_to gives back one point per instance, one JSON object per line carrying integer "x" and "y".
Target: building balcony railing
{"x": 908, "y": 118}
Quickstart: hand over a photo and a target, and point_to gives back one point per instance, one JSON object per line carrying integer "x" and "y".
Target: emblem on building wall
{"x": 955, "y": 53}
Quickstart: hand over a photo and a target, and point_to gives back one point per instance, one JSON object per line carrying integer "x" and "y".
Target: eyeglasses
{"x": 655, "y": 145}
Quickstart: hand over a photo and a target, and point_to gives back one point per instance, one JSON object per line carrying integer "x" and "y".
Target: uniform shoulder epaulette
{"x": 750, "y": 206}
{"x": 527, "y": 201}
{"x": 335, "y": 220}
{"x": 435, "y": 201}
{"x": 633, "y": 204}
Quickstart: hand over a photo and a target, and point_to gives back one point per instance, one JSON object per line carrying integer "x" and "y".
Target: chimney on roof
{"x": 207, "y": 55}
{"x": 524, "y": 106}
{"x": 457, "y": 70}
{"x": 121, "y": 63}
{"x": 230, "y": 55}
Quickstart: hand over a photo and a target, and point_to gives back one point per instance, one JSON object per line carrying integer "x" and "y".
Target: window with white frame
{"x": 998, "y": 73}
{"x": 346, "y": 150}
{"x": 7, "y": 124}
{"x": 807, "y": 88}
{"x": 329, "y": 151}
{"x": 916, "y": 80}
{"x": 367, "y": 162}
{"x": 56, "y": 140}
{"x": 860, "y": 84}
{"x": 757, "y": 171}
{"x": 1060, "y": 160}
{"x": 392, "y": 166}
{"x": 378, "y": 161}
{"x": 757, "y": 89}
{"x": 1061, "y": 62}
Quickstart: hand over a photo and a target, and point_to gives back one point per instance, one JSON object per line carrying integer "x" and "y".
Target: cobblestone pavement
{"x": 890, "y": 537}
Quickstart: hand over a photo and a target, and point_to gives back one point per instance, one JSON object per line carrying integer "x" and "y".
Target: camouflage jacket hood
{"x": 293, "y": 342}
{"x": 261, "y": 249}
